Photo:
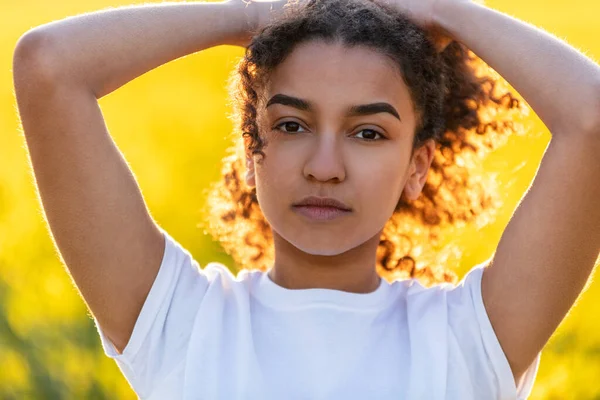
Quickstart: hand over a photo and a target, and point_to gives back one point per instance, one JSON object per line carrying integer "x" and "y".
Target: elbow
{"x": 33, "y": 59}
{"x": 586, "y": 121}
{"x": 592, "y": 122}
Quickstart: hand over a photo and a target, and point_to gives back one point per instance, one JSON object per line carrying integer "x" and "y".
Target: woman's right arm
{"x": 104, "y": 50}
{"x": 95, "y": 210}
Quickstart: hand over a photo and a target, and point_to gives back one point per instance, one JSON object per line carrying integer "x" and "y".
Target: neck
{"x": 352, "y": 271}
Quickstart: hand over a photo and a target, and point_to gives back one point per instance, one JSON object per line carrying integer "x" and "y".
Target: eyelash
{"x": 294, "y": 122}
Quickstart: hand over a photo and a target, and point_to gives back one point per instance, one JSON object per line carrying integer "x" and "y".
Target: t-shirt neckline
{"x": 273, "y": 295}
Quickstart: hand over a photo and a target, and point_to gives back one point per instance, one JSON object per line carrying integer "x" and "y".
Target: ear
{"x": 250, "y": 178}
{"x": 418, "y": 169}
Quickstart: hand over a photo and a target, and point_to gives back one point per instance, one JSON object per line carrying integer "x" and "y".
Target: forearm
{"x": 560, "y": 84}
{"x": 104, "y": 50}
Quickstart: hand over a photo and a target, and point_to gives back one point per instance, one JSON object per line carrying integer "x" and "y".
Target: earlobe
{"x": 250, "y": 180}
{"x": 411, "y": 190}
{"x": 420, "y": 169}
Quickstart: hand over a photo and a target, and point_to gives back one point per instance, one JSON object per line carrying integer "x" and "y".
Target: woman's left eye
{"x": 372, "y": 132}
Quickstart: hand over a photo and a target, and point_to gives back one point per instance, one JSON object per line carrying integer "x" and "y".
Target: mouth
{"x": 320, "y": 213}
{"x": 313, "y": 201}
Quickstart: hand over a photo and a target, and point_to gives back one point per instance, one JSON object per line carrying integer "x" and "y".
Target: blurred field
{"x": 171, "y": 126}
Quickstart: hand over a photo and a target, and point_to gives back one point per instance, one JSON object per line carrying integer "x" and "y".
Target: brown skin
{"x": 325, "y": 154}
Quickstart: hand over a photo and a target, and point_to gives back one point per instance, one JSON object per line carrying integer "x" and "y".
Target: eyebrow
{"x": 353, "y": 111}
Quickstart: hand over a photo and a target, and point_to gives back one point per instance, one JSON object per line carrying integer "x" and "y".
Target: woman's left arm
{"x": 560, "y": 84}
{"x": 549, "y": 248}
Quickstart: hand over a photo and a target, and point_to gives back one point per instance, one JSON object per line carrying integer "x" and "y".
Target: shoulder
{"x": 219, "y": 274}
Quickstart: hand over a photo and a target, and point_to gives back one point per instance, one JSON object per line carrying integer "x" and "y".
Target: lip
{"x": 320, "y": 213}
{"x": 328, "y": 202}
{"x": 321, "y": 208}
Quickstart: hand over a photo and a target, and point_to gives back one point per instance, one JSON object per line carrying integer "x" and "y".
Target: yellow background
{"x": 171, "y": 126}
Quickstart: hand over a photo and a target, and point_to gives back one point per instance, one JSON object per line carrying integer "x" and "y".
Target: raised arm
{"x": 93, "y": 205}
{"x": 549, "y": 248}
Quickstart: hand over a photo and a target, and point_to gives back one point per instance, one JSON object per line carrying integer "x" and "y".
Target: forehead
{"x": 330, "y": 74}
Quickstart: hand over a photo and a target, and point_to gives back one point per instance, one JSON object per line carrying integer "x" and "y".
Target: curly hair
{"x": 459, "y": 101}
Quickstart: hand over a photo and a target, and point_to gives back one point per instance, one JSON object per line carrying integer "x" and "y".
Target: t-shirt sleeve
{"x": 471, "y": 327}
{"x": 160, "y": 337}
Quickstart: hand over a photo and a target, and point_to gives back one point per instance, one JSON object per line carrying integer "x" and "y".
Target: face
{"x": 318, "y": 146}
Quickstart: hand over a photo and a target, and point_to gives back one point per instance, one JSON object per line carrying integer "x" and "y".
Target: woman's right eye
{"x": 291, "y": 124}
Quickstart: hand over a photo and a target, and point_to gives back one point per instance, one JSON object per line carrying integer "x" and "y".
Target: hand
{"x": 422, "y": 13}
{"x": 259, "y": 12}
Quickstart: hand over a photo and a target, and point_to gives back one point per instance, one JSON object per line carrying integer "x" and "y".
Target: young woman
{"x": 357, "y": 121}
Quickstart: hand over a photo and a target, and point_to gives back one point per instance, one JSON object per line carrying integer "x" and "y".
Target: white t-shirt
{"x": 206, "y": 334}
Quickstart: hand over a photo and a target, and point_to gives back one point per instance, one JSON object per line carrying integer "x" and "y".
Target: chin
{"x": 324, "y": 244}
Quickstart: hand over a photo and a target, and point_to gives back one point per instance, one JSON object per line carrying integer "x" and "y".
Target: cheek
{"x": 381, "y": 185}
{"x": 274, "y": 176}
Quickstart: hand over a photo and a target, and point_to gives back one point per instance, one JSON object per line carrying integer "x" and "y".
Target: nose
{"x": 325, "y": 159}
